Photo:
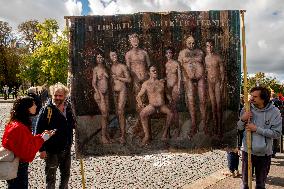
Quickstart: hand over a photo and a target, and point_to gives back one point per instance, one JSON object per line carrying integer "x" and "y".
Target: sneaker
{"x": 236, "y": 173}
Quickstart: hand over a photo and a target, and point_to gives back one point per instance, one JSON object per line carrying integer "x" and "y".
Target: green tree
{"x": 52, "y": 54}
{"x": 9, "y": 56}
{"x": 6, "y": 35}
{"x": 260, "y": 79}
{"x": 28, "y": 31}
{"x": 48, "y": 61}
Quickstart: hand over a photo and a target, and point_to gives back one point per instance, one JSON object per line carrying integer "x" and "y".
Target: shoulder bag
{"x": 8, "y": 164}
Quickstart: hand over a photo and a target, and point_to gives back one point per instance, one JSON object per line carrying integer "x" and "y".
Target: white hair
{"x": 58, "y": 86}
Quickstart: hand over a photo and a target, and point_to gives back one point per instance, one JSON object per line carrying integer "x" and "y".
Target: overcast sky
{"x": 264, "y": 20}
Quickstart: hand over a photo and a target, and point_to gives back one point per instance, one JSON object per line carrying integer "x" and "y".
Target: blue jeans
{"x": 22, "y": 179}
{"x": 233, "y": 161}
{"x": 261, "y": 165}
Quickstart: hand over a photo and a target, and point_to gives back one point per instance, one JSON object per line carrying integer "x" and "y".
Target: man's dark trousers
{"x": 261, "y": 165}
{"x": 53, "y": 161}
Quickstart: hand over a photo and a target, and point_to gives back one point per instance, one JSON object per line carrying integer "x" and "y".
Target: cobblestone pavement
{"x": 161, "y": 170}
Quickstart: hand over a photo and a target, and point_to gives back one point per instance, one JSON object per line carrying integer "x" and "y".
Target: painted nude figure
{"x": 192, "y": 65}
{"x": 173, "y": 78}
{"x": 155, "y": 90}
{"x": 137, "y": 61}
{"x": 120, "y": 76}
{"x": 215, "y": 78}
{"x": 100, "y": 85}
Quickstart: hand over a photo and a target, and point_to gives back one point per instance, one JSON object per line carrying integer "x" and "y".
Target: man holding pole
{"x": 265, "y": 123}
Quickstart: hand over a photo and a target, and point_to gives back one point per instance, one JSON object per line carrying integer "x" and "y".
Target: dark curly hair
{"x": 264, "y": 93}
{"x": 20, "y": 111}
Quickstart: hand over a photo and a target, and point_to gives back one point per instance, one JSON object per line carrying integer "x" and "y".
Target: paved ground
{"x": 161, "y": 170}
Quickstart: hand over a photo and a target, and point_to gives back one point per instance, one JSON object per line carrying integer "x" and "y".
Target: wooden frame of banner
{"x": 68, "y": 80}
{"x": 247, "y": 105}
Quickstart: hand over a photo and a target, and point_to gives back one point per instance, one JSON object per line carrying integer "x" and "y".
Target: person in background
{"x": 44, "y": 94}
{"x": 265, "y": 123}
{"x": 32, "y": 92}
{"x": 277, "y": 103}
{"x": 14, "y": 92}
{"x": 233, "y": 156}
{"x": 6, "y": 92}
{"x": 57, "y": 114}
{"x": 18, "y": 138}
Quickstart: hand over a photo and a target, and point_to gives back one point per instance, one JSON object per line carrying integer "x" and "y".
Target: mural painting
{"x": 155, "y": 81}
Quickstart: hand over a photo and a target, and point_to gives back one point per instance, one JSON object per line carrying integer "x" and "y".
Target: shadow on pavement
{"x": 276, "y": 181}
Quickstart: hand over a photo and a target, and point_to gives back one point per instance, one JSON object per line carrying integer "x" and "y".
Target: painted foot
{"x": 192, "y": 132}
{"x": 165, "y": 136}
{"x": 145, "y": 141}
{"x": 105, "y": 140}
{"x": 206, "y": 131}
{"x": 122, "y": 140}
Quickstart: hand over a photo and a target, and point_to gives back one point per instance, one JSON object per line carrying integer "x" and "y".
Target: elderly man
{"x": 57, "y": 115}
{"x": 155, "y": 90}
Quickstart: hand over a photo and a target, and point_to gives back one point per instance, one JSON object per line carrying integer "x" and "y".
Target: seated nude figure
{"x": 120, "y": 76}
{"x": 155, "y": 90}
{"x": 215, "y": 78}
{"x": 192, "y": 64}
{"x": 173, "y": 78}
{"x": 100, "y": 85}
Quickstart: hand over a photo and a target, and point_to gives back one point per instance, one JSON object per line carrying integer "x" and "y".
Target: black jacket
{"x": 63, "y": 137}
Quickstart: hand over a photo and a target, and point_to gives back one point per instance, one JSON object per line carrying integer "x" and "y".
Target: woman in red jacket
{"x": 18, "y": 138}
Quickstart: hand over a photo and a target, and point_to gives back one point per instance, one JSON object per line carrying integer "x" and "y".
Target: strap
{"x": 49, "y": 113}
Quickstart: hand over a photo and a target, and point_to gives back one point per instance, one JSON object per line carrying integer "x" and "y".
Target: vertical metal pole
{"x": 247, "y": 105}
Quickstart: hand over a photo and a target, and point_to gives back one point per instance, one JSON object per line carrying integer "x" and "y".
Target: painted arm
{"x": 222, "y": 70}
{"x": 126, "y": 78}
{"x": 127, "y": 60}
{"x": 140, "y": 94}
{"x": 179, "y": 77}
{"x": 147, "y": 59}
{"x": 94, "y": 81}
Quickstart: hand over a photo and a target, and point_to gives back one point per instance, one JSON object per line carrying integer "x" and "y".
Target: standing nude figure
{"x": 215, "y": 77}
{"x": 120, "y": 77}
{"x": 137, "y": 61}
{"x": 155, "y": 90}
{"x": 192, "y": 64}
{"x": 100, "y": 85}
{"x": 173, "y": 78}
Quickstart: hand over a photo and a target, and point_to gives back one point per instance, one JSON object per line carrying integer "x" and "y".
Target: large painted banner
{"x": 155, "y": 81}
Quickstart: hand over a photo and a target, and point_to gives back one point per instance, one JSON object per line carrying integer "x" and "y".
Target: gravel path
{"x": 160, "y": 170}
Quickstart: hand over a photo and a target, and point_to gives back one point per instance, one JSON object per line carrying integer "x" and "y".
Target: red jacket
{"x": 19, "y": 139}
